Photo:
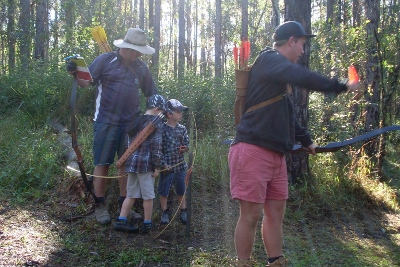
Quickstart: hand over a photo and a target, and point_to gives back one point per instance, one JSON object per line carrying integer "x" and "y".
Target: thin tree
{"x": 245, "y": 20}
{"x": 372, "y": 96}
{"x": 217, "y": 45}
{"x": 156, "y": 43}
{"x": 41, "y": 38}
{"x": 24, "y": 30}
{"x": 181, "y": 38}
{"x": 11, "y": 36}
{"x": 300, "y": 11}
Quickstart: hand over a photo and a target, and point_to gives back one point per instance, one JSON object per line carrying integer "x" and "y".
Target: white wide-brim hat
{"x": 135, "y": 39}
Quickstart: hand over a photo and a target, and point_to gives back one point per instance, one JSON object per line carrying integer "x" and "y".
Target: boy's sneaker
{"x": 101, "y": 213}
{"x": 165, "y": 217}
{"x": 147, "y": 228}
{"x": 183, "y": 217}
{"x": 125, "y": 226}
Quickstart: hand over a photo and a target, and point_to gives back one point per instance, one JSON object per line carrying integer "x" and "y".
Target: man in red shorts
{"x": 265, "y": 134}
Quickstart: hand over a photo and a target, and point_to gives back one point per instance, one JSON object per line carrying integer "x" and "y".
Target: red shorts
{"x": 257, "y": 174}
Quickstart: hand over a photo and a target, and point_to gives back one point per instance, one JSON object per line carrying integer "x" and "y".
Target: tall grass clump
{"x": 29, "y": 160}
{"x": 41, "y": 93}
{"x": 210, "y": 165}
{"x": 209, "y": 99}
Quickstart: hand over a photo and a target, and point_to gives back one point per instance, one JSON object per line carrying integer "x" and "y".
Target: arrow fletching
{"x": 99, "y": 35}
{"x": 235, "y": 55}
{"x": 353, "y": 74}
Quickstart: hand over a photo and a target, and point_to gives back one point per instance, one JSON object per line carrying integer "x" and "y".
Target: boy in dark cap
{"x": 266, "y": 132}
{"x": 142, "y": 168}
{"x": 175, "y": 143}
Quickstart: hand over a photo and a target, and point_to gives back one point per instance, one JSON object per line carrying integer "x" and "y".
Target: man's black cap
{"x": 289, "y": 29}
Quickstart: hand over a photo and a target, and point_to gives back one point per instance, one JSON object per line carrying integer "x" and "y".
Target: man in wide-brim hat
{"x": 117, "y": 76}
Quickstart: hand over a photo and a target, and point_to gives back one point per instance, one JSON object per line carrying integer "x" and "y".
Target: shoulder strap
{"x": 129, "y": 67}
{"x": 271, "y": 100}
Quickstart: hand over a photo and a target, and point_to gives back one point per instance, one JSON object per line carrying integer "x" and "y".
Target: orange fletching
{"x": 235, "y": 54}
{"x": 247, "y": 50}
{"x": 353, "y": 74}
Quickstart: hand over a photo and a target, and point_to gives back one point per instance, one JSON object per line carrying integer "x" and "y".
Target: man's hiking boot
{"x": 147, "y": 228}
{"x": 125, "y": 226}
{"x": 281, "y": 262}
{"x": 243, "y": 263}
{"x": 165, "y": 217}
{"x": 101, "y": 213}
{"x": 183, "y": 217}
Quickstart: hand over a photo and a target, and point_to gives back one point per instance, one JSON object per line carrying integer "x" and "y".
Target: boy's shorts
{"x": 257, "y": 174}
{"x": 166, "y": 180}
{"x": 140, "y": 185}
{"x": 109, "y": 139}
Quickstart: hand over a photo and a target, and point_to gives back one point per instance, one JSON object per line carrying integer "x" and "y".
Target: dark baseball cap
{"x": 289, "y": 29}
{"x": 175, "y": 105}
{"x": 157, "y": 101}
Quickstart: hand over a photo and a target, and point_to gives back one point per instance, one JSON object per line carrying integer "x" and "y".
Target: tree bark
{"x": 41, "y": 39}
{"x": 372, "y": 96}
{"x": 181, "y": 39}
{"x": 300, "y": 11}
{"x": 157, "y": 36}
{"x": 217, "y": 45}
{"x": 25, "y": 39}
{"x": 11, "y": 34}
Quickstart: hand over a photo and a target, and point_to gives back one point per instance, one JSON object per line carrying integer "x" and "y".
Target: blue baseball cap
{"x": 157, "y": 101}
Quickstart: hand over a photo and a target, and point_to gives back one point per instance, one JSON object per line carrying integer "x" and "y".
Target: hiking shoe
{"x": 183, "y": 217}
{"x": 165, "y": 217}
{"x": 281, "y": 262}
{"x": 101, "y": 213}
{"x": 125, "y": 226}
{"x": 147, "y": 228}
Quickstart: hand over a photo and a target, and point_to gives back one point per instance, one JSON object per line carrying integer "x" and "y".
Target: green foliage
{"x": 38, "y": 93}
{"x": 210, "y": 100}
{"x": 211, "y": 162}
{"x": 29, "y": 159}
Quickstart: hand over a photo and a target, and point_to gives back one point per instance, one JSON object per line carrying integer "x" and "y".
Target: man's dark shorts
{"x": 109, "y": 139}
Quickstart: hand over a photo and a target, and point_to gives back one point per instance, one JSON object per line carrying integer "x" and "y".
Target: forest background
{"x": 351, "y": 195}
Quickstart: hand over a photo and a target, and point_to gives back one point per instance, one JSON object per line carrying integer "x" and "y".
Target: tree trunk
{"x": 195, "y": 43}
{"x": 300, "y": 11}
{"x": 276, "y": 14}
{"x": 25, "y": 38}
{"x": 157, "y": 35}
{"x": 372, "y": 114}
{"x": 218, "y": 22}
{"x": 181, "y": 39}
{"x": 356, "y": 13}
{"x": 188, "y": 47}
{"x": 11, "y": 34}
{"x": 141, "y": 14}
{"x": 245, "y": 20}
{"x": 41, "y": 38}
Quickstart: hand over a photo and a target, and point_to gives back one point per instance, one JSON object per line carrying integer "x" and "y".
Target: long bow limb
{"x": 335, "y": 146}
{"x": 75, "y": 146}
